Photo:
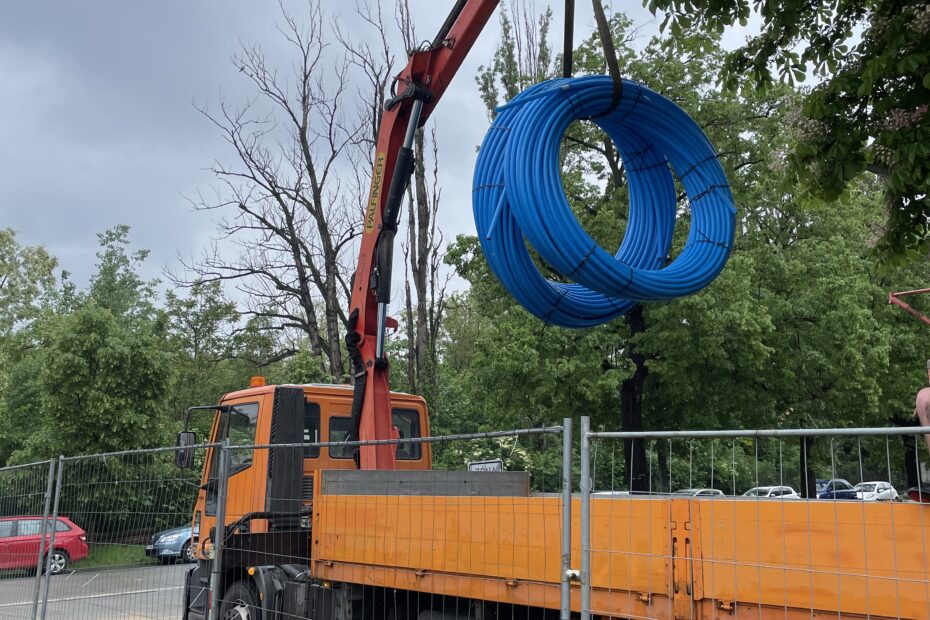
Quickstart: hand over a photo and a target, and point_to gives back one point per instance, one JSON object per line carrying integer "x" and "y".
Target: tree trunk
{"x": 662, "y": 465}
{"x": 808, "y": 483}
{"x": 636, "y": 470}
{"x": 411, "y": 337}
{"x": 424, "y": 247}
{"x": 910, "y": 460}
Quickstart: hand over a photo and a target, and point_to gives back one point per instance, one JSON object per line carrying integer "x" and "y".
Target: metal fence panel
{"x": 116, "y": 560}
{"x": 397, "y": 544}
{"x": 478, "y": 542}
{"x": 25, "y": 491}
{"x": 729, "y": 524}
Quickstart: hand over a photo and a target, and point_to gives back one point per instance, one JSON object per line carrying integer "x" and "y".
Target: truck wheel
{"x": 240, "y": 602}
{"x": 187, "y": 553}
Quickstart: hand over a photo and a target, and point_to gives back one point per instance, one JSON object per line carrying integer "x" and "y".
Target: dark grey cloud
{"x": 97, "y": 125}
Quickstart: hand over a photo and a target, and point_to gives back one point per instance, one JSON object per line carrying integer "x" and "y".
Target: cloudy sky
{"x": 98, "y": 127}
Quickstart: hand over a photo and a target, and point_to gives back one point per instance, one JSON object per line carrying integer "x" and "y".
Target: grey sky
{"x": 97, "y": 125}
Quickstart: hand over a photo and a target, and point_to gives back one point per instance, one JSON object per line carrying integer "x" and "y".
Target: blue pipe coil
{"x": 518, "y": 199}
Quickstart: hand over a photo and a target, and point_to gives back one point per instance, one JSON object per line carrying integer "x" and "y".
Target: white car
{"x": 699, "y": 492}
{"x": 876, "y": 491}
{"x": 772, "y": 492}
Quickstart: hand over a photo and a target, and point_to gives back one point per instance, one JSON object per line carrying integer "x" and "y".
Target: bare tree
{"x": 282, "y": 201}
{"x": 423, "y": 255}
{"x": 292, "y": 200}
{"x": 425, "y": 304}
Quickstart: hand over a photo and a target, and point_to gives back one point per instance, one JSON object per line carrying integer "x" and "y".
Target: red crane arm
{"x": 418, "y": 88}
{"x": 895, "y": 298}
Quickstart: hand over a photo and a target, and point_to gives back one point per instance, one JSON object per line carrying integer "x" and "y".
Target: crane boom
{"x": 417, "y": 90}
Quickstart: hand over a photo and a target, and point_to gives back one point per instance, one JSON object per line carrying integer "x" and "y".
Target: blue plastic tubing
{"x": 518, "y": 199}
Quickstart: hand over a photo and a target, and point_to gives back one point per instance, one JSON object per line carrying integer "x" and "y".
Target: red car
{"x": 19, "y": 543}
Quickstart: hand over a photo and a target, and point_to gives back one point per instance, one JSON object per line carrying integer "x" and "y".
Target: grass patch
{"x": 107, "y": 555}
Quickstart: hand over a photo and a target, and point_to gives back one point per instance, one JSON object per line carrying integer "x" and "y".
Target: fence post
{"x": 219, "y": 535}
{"x": 51, "y": 538}
{"x": 566, "y": 586}
{"x": 585, "y": 518}
{"x": 48, "y": 502}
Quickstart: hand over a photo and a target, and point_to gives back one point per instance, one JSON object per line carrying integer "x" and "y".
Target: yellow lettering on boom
{"x": 375, "y": 194}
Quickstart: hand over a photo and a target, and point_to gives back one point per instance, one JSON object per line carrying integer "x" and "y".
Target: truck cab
{"x": 269, "y": 487}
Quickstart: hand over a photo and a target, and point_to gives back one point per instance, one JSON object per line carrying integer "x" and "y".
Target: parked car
{"x": 173, "y": 545}
{"x": 919, "y": 494}
{"x": 20, "y": 538}
{"x": 772, "y": 492}
{"x": 700, "y": 492}
{"x": 876, "y": 491}
{"x": 836, "y": 489}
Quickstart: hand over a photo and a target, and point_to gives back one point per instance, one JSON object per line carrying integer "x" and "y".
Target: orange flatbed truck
{"x": 308, "y": 535}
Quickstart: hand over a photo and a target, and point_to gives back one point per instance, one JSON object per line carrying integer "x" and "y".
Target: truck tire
{"x": 240, "y": 602}
{"x": 187, "y": 553}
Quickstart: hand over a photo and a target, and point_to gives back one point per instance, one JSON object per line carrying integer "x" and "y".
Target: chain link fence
{"x": 763, "y": 524}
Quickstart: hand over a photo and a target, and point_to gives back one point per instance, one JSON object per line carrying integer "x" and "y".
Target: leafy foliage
{"x": 868, "y": 112}
{"x": 26, "y": 282}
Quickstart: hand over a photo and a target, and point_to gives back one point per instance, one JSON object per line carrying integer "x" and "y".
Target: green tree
{"x": 27, "y": 283}
{"x": 869, "y": 110}
{"x": 117, "y": 285}
{"x": 95, "y": 376}
{"x": 101, "y": 386}
{"x": 200, "y": 333}
{"x": 26, "y": 277}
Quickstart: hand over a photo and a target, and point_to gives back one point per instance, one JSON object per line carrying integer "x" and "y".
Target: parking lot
{"x": 147, "y": 592}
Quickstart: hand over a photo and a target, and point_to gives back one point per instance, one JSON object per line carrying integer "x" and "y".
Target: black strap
{"x": 610, "y": 53}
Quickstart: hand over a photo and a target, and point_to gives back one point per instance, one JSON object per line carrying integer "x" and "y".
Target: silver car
{"x": 174, "y": 545}
{"x": 775, "y": 492}
{"x": 699, "y": 492}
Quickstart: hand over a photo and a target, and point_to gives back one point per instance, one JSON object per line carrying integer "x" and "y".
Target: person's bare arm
{"x": 922, "y": 411}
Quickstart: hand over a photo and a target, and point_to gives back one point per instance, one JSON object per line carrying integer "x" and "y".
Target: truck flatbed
{"x": 652, "y": 557}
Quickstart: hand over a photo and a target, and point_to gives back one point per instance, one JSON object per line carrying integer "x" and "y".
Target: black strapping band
{"x": 707, "y": 239}
{"x": 555, "y": 306}
{"x": 695, "y": 166}
{"x": 710, "y": 189}
{"x": 583, "y": 261}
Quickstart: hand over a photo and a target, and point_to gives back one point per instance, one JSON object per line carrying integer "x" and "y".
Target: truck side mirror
{"x": 184, "y": 457}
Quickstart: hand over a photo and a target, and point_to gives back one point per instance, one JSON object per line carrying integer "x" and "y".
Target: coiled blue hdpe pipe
{"x": 518, "y": 199}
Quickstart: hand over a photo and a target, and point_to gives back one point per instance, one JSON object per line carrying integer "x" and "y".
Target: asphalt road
{"x": 138, "y": 593}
